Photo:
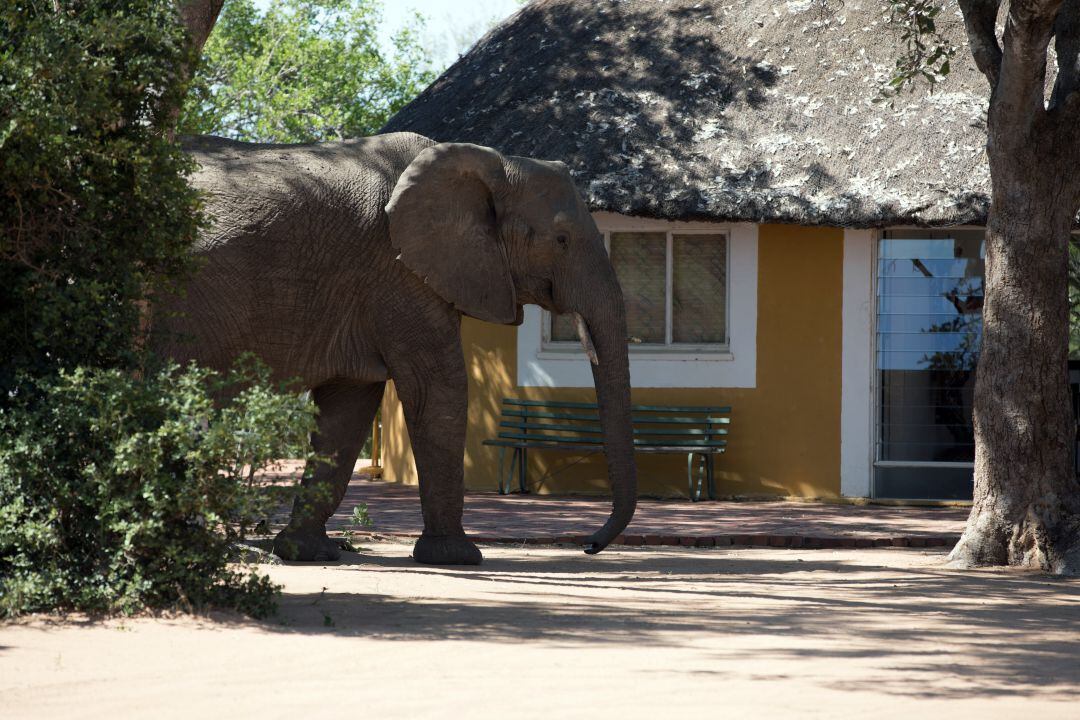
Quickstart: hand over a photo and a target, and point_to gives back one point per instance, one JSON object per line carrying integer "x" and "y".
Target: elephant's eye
{"x": 562, "y": 239}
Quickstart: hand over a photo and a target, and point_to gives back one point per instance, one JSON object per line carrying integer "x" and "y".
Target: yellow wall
{"x": 785, "y": 433}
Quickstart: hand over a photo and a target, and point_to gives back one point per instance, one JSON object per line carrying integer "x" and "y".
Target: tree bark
{"x": 199, "y": 17}
{"x": 1027, "y": 500}
{"x": 1026, "y": 509}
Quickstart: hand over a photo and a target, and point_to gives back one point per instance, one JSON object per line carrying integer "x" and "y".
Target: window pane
{"x": 699, "y": 274}
{"x": 929, "y": 312}
{"x": 924, "y": 483}
{"x": 640, "y": 261}
{"x": 562, "y": 328}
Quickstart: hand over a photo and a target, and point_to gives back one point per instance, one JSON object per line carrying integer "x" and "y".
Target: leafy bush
{"x": 121, "y": 486}
{"x": 360, "y": 516}
{"x": 118, "y": 493}
{"x": 95, "y": 209}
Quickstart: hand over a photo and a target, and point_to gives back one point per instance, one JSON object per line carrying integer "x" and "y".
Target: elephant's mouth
{"x": 537, "y": 290}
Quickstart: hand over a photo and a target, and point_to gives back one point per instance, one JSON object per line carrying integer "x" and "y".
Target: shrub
{"x": 95, "y": 209}
{"x": 121, "y": 487}
{"x": 118, "y": 493}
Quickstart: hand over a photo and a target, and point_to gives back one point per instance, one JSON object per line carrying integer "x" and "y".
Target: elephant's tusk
{"x": 586, "y": 339}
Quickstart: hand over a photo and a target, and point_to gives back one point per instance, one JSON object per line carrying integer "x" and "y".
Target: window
{"x": 925, "y": 328}
{"x": 681, "y": 282}
{"x": 929, "y": 327}
{"x": 675, "y": 285}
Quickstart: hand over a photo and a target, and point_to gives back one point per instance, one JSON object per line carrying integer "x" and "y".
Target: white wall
{"x": 857, "y": 364}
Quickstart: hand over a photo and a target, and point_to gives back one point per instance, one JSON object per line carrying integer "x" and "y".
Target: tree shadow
{"x": 962, "y": 634}
{"x": 643, "y": 101}
{"x": 558, "y": 86}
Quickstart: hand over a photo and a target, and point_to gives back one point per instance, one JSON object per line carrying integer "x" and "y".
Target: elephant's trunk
{"x": 604, "y": 327}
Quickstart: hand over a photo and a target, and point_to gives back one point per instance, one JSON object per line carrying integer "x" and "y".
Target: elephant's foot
{"x": 305, "y": 545}
{"x": 446, "y": 550}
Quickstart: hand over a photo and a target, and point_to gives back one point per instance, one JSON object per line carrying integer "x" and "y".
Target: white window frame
{"x": 669, "y": 347}
{"x": 858, "y": 371}
{"x": 542, "y": 363}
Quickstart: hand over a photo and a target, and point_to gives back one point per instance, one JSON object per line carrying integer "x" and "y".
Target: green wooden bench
{"x": 700, "y": 432}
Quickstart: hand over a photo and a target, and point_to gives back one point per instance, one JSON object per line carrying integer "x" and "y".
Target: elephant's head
{"x": 490, "y": 233}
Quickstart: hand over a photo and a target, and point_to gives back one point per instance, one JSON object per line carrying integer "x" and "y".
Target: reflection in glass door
{"x": 929, "y": 326}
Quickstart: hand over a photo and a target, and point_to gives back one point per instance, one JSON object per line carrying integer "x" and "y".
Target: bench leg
{"x": 711, "y": 476}
{"x": 698, "y": 474}
{"x": 523, "y": 462}
{"x": 502, "y": 464}
{"x": 506, "y": 474}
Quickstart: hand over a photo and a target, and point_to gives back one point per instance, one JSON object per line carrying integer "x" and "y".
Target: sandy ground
{"x": 552, "y": 633}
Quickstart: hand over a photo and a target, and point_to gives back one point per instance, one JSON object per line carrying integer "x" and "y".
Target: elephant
{"x": 346, "y": 264}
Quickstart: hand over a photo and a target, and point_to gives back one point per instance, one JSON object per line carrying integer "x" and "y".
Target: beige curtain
{"x": 698, "y": 303}
{"x": 640, "y": 260}
{"x": 699, "y": 297}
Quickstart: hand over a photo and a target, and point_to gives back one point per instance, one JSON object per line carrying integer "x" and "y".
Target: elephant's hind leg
{"x": 346, "y": 411}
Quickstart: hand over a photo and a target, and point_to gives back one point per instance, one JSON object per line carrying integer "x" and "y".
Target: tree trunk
{"x": 1027, "y": 501}
{"x": 199, "y": 17}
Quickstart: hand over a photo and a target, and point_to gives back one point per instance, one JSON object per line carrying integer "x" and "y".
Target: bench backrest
{"x": 542, "y": 422}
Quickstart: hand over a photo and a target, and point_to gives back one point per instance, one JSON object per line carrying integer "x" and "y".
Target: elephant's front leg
{"x": 434, "y": 396}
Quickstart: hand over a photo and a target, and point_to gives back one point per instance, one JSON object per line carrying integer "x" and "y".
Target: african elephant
{"x": 347, "y": 264}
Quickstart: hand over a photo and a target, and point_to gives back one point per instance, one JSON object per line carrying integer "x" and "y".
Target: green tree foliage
{"x": 302, "y": 71}
{"x": 117, "y": 495}
{"x": 120, "y": 481}
{"x": 925, "y": 54}
{"x": 95, "y": 210}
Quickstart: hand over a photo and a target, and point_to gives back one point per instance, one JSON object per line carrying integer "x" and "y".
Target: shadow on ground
{"x": 989, "y": 633}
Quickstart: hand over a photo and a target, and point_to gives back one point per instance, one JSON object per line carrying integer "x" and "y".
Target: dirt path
{"x": 551, "y": 633}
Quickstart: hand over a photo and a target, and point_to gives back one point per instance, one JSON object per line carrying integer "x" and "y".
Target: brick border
{"x": 805, "y": 542}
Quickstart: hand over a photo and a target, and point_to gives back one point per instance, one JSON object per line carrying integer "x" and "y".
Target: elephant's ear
{"x": 444, "y": 217}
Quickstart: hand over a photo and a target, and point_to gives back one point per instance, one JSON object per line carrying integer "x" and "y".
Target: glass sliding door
{"x": 929, "y": 327}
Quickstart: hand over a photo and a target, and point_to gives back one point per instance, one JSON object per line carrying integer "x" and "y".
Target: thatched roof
{"x": 760, "y": 111}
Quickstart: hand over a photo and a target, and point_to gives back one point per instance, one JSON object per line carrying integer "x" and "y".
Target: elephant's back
{"x": 294, "y": 252}
{"x": 254, "y": 185}
{"x": 223, "y": 161}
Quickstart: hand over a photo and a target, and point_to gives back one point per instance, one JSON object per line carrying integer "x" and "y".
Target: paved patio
{"x": 545, "y": 519}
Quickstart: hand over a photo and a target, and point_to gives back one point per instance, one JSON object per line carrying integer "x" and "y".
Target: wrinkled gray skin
{"x": 346, "y": 264}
